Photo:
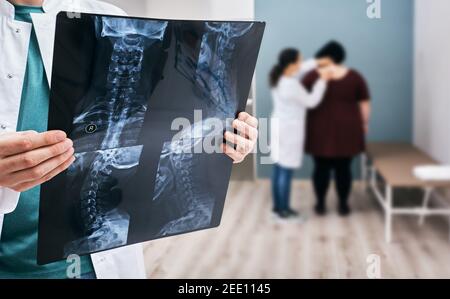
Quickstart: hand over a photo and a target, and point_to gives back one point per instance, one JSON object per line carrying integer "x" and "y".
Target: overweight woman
{"x": 336, "y": 128}
{"x": 290, "y": 102}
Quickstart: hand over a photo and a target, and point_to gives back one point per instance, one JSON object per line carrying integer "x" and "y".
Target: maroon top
{"x": 335, "y": 128}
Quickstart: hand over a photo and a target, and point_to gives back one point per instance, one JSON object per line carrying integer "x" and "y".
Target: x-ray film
{"x": 140, "y": 98}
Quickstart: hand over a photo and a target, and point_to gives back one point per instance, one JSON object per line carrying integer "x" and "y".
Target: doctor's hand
{"x": 245, "y": 141}
{"x": 326, "y": 73}
{"x": 324, "y": 62}
{"x": 28, "y": 159}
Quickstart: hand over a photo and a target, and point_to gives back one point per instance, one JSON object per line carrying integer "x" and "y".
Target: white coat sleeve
{"x": 307, "y": 66}
{"x": 296, "y": 91}
{"x": 8, "y": 200}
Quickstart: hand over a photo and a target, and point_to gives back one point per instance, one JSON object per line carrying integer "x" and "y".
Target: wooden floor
{"x": 251, "y": 243}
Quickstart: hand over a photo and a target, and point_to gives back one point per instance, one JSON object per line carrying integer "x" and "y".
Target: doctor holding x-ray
{"x": 30, "y": 155}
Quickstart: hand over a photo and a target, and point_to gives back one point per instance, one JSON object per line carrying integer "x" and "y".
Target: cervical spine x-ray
{"x": 134, "y": 179}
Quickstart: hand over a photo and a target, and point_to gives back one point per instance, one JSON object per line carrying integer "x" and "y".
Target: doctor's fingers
{"x": 243, "y": 145}
{"x": 28, "y": 185}
{"x": 247, "y": 118}
{"x": 20, "y": 142}
{"x": 246, "y": 129}
{"x": 34, "y": 157}
{"x": 8, "y": 133}
{"x": 236, "y": 156}
{"x": 38, "y": 172}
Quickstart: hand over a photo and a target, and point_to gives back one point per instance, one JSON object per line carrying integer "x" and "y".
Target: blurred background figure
{"x": 290, "y": 100}
{"x": 336, "y": 129}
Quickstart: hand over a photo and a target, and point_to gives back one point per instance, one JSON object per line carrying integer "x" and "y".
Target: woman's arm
{"x": 299, "y": 93}
{"x": 307, "y": 66}
{"x": 365, "y": 108}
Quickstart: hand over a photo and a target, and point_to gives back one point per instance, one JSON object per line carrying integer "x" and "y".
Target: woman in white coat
{"x": 290, "y": 101}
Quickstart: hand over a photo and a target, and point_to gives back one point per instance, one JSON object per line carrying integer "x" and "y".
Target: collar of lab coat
{"x": 6, "y": 9}
{"x": 44, "y": 26}
{"x": 49, "y": 6}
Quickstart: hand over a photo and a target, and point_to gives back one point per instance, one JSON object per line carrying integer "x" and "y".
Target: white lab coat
{"x": 125, "y": 262}
{"x": 290, "y": 103}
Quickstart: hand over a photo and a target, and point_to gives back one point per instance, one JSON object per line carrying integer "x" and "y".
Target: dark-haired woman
{"x": 290, "y": 102}
{"x": 336, "y": 128}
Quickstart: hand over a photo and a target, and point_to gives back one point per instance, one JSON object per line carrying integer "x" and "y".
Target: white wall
{"x": 189, "y": 9}
{"x": 432, "y": 78}
{"x": 132, "y": 7}
{"x": 201, "y": 9}
{"x": 233, "y": 9}
{"x": 178, "y": 9}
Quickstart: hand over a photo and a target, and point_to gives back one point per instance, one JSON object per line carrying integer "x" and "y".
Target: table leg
{"x": 388, "y": 214}
{"x": 426, "y": 200}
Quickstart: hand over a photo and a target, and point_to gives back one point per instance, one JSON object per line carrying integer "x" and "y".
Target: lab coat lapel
{"x": 44, "y": 26}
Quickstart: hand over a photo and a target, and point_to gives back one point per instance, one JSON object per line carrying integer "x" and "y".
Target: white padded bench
{"x": 393, "y": 164}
